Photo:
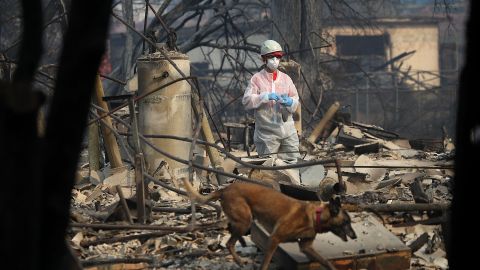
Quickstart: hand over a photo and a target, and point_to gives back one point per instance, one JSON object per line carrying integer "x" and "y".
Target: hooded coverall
{"x": 272, "y": 134}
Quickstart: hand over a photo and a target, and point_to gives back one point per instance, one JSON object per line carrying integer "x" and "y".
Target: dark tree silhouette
{"x": 461, "y": 231}
{"x": 38, "y": 172}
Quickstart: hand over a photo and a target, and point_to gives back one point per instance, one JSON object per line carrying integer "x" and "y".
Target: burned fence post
{"x": 140, "y": 187}
{"x": 139, "y": 164}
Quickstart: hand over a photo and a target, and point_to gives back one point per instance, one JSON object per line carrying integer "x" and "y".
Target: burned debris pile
{"x": 398, "y": 185}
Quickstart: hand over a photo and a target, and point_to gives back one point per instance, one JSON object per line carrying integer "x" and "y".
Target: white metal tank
{"x": 166, "y": 112}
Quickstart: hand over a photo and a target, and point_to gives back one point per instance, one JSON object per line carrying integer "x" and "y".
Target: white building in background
{"x": 369, "y": 48}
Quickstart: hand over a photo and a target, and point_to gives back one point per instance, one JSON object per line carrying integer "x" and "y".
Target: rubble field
{"x": 405, "y": 183}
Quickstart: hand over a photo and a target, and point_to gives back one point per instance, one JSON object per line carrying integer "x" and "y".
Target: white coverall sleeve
{"x": 292, "y": 92}
{"x": 252, "y": 98}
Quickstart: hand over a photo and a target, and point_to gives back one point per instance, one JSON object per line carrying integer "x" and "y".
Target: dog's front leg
{"x": 271, "y": 247}
{"x": 231, "y": 247}
{"x": 306, "y": 247}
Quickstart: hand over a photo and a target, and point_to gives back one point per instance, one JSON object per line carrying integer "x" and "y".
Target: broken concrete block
{"x": 403, "y": 143}
{"x": 312, "y": 175}
{"x": 408, "y": 153}
{"x": 390, "y": 145}
{"x": 108, "y": 171}
{"x": 351, "y": 131}
{"x": 408, "y": 178}
{"x": 373, "y": 174}
{"x": 119, "y": 178}
{"x": 77, "y": 238}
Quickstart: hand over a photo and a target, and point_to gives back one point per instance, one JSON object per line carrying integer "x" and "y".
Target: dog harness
{"x": 318, "y": 213}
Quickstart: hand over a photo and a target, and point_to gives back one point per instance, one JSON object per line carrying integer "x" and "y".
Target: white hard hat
{"x": 270, "y": 46}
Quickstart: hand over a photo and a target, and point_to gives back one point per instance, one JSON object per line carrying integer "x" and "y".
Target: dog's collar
{"x": 318, "y": 213}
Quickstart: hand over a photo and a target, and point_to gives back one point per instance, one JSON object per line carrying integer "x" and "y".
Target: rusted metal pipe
{"x": 140, "y": 189}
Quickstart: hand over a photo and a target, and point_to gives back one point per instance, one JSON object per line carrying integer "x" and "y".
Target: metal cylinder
{"x": 165, "y": 112}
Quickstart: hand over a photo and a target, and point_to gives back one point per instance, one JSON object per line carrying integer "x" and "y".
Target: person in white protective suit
{"x": 273, "y": 97}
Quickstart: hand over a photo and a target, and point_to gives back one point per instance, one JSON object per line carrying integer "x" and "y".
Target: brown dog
{"x": 286, "y": 219}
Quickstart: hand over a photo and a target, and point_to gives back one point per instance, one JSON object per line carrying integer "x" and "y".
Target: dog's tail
{"x": 197, "y": 197}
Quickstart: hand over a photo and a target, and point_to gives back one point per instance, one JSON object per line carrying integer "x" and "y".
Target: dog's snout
{"x": 352, "y": 234}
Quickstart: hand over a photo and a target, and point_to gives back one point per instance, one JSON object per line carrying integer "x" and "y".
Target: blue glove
{"x": 273, "y": 96}
{"x": 286, "y": 100}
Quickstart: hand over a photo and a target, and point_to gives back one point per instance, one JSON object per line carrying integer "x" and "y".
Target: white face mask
{"x": 272, "y": 63}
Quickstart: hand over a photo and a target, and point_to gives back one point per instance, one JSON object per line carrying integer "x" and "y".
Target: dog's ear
{"x": 334, "y": 206}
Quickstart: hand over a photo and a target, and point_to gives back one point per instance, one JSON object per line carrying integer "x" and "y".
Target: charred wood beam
{"x": 418, "y": 193}
{"x": 124, "y": 204}
{"x": 142, "y": 237}
{"x": 103, "y": 226}
{"x": 430, "y": 221}
{"x": 419, "y": 242}
{"x": 151, "y": 261}
{"x": 96, "y": 262}
{"x": 179, "y": 210}
{"x": 399, "y": 207}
